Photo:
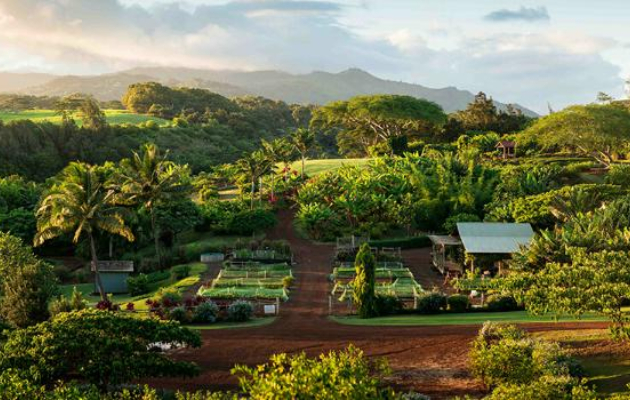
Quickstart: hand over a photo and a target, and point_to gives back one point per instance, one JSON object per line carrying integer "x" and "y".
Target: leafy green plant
{"x": 364, "y": 296}
{"x": 179, "y": 272}
{"x": 458, "y": 303}
{"x": 431, "y": 303}
{"x": 179, "y": 314}
{"x": 206, "y": 313}
{"x": 26, "y": 283}
{"x": 96, "y": 347}
{"x": 345, "y": 374}
{"x": 501, "y": 303}
{"x": 138, "y": 285}
{"x": 240, "y": 311}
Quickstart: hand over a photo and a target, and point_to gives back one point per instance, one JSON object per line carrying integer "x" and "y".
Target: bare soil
{"x": 431, "y": 360}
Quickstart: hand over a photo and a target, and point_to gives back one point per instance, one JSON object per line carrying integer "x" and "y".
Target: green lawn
{"x": 475, "y": 318}
{"x": 114, "y": 117}
{"x": 87, "y": 289}
{"x": 316, "y": 167}
{"x": 253, "y": 323}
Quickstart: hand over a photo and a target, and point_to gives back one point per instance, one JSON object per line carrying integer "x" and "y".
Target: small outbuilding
{"x": 479, "y": 238}
{"x": 494, "y": 237}
{"x": 114, "y": 275}
{"x": 508, "y": 148}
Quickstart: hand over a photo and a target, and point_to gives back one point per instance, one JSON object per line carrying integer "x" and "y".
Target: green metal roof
{"x": 494, "y": 237}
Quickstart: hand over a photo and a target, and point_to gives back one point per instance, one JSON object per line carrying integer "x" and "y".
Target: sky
{"x": 535, "y": 53}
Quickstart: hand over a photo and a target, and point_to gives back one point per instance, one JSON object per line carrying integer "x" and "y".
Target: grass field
{"x": 252, "y": 323}
{"x": 316, "y": 167}
{"x": 114, "y": 117}
{"x": 474, "y": 318}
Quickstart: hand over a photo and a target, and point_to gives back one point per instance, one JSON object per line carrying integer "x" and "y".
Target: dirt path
{"x": 431, "y": 360}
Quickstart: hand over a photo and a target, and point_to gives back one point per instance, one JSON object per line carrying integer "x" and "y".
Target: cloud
{"x": 90, "y": 37}
{"x": 522, "y": 14}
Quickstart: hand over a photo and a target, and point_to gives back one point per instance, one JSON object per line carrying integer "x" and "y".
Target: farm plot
{"x": 251, "y": 281}
{"x": 392, "y": 277}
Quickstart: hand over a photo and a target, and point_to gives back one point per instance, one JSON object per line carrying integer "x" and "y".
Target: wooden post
{"x": 277, "y": 305}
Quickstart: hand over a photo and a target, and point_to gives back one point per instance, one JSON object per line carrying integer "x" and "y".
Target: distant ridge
{"x": 315, "y": 87}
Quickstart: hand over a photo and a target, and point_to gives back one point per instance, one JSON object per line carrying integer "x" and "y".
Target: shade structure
{"x": 494, "y": 237}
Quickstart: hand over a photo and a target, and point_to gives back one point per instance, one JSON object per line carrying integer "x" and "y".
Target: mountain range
{"x": 312, "y": 88}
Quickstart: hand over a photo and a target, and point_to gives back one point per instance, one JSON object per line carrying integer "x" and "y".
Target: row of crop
{"x": 253, "y": 281}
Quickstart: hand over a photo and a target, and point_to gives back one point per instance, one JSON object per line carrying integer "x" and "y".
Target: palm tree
{"x": 82, "y": 203}
{"x": 278, "y": 150}
{"x": 149, "y": 179}
{"x": 253, "y": 166}
{"x": 303, "y": 140}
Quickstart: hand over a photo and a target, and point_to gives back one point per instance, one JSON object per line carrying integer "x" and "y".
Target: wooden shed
{"x": 114, "y": 275}
{"x": 508, "y": 148}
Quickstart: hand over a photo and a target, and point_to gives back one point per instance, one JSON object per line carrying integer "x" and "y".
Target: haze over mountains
{"x": 315, "y": 87}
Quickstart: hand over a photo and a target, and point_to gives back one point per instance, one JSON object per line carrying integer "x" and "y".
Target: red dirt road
{"x": 431, "y": 360}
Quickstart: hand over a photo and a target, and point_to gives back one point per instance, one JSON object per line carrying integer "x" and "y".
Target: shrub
{"x": 62, "y": 272}
{"x": 414, "y": 396}
{"x": 502, "y": 303}
{"x": 493, "y": 331}
{"x": 27, "y": 284}
{"x": 240, "y": 311}
{"x": 206, "y": 313}
{"x": 96, "y": 347}
{"x": 415, "y": 242}
{"x": 363, "y": 294}
{"x": 345, "y": 374}
{"x": 179, "y": 314}
{"x": 458, "y": 303}
{"x": 107, "y": 305}
{"x": 502, "y": 355}
{"x": 431, "y": 303}
{"x": 169, "y": 297}
{"x": 619, "y": 174}
{"x": 387, "y": 305}
{"x": 138, "y": 285}
{"x": 59, "y": 305}
{"x": 64, "y": 304}
{"x": 545, "y": 388}
{"x": 179, "y": 272}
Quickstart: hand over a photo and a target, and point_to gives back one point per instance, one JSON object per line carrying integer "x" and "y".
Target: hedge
{"x": 415, "y": 242}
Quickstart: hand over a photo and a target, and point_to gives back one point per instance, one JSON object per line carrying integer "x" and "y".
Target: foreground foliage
{"x": 97, "y": 347}
{"x": 26, "y": 283}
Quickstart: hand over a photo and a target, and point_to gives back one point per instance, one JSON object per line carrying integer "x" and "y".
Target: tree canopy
{"x": 365, "y": 121}
{"x": 98, "y": 347}
{"x": 594, "y": 130}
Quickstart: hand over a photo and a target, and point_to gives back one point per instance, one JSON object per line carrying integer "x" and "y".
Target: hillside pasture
{"x": 317, "y": 167}
{"x": 114, "y": 117}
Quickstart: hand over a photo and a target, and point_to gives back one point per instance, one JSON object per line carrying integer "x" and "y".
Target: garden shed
{"x": 508, "y": 147}
{"x": 442, "y": 254}
{"x": 478, "y": 238}
{"x": 114, "y": 275}
{"x": 494, "y": 237}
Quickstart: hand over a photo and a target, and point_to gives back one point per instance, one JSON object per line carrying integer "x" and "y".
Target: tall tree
{"x": 593, "y": 130}
{"x": 252, "y": 167}
{"x": 277, "y": 150}
{"x": 91, "y": 115}
{"x": 26, "y": 283}
{"x": 97, "y": 347}
{"x": 365, "y": 121}
{"x": 81, "y": 203}
{"x": 364, "y": 282}
{"x": 303, "y": 140}
{"x": 150, "y": 179}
